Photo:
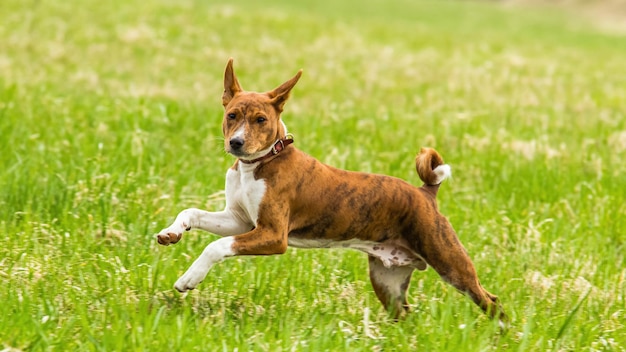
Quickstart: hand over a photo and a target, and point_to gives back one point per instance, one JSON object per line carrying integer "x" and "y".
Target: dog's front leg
{"x": 224, "y": 223}
{"x": 260, "y": 241}
{"x": 213, "y": 253}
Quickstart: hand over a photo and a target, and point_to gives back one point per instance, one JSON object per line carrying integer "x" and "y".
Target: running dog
{"x": 278, "y": 196}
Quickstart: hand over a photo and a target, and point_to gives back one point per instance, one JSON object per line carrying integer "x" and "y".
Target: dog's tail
{"x": 431, "y": 169}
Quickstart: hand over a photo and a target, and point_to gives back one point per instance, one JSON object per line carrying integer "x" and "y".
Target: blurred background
{"x": 110, "y": 124}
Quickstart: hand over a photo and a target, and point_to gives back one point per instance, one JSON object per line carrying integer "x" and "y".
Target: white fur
{"x": 443, "y": 172}
{"x": 502, "y": 324}
{"x": 243, "y": 197}
{"x": 389, "y": 254}
{"x": 244, "y": 192}
{"x": 223, "y": 223}
{"x": 390, "y": 279}
{"x": 284, "y": 126}
{"x": 241, "y": 131}
{"x": 213, "y": 253}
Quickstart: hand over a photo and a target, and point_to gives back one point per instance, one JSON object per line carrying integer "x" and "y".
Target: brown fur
{"x": 305, "y": 199}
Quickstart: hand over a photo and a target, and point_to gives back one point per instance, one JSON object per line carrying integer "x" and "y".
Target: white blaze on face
{"x": 240, "y": 132}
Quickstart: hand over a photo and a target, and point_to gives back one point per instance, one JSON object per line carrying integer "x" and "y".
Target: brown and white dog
{"x": 278, "y": 196}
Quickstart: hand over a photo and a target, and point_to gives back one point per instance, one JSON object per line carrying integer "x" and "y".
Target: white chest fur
{"x": 244, "y": 193}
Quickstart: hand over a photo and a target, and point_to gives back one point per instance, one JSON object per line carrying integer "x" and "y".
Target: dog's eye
{"x": 232, "y": 116}
{"x": 261, "y": 119}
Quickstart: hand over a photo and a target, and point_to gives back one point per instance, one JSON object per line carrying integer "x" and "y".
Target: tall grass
{"x": 110, "y": 125}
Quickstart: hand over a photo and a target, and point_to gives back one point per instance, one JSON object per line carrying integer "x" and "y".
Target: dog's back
{"x": 397, "y": 224}
{"x": 339, "y": 205}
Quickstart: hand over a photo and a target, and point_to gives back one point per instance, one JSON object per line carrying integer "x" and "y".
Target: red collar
{"x": 278, "y": 147}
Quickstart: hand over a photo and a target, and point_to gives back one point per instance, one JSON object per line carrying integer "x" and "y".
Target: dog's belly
{"x": 389, "y": 254}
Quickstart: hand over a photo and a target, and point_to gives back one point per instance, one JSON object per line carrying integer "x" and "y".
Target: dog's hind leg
{"x": 390, "y": 285}
{"x": 466, "y": 281}
{"x": 448, "y": 257}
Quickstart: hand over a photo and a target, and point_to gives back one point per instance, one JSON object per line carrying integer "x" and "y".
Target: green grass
{"x": 110, "y": 124}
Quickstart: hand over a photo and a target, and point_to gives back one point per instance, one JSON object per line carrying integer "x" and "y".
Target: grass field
{"x": 110, "y": 124}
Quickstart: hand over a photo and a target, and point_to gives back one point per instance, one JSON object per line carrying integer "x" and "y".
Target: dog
{"x": 279, "y": 197}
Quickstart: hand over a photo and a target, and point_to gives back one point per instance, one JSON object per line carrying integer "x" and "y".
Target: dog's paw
{"x": 166, "y": 237}
{"x": 189, "y": 280}
{"x": 173, "y": 233}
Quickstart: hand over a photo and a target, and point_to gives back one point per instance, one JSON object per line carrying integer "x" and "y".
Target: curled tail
{"x": 430, "y": 167}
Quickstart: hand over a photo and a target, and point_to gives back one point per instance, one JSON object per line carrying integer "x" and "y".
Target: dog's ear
{"x": 231, "y": 84}
{"x": 280, "y": 95}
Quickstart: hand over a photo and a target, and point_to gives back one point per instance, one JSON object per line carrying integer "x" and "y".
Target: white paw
{"x": 173, "y": 233}
{"x": 190, "y": 279}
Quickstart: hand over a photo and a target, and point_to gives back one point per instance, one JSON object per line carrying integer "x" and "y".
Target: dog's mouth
{"x": 241, "y": 154}
{"x": 237, "y": 153}
{"x": 248, "y": 151}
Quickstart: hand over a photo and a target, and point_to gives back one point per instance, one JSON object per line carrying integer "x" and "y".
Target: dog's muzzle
{"x": 236, "y": 143}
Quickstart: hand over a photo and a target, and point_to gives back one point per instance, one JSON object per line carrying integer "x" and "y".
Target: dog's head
{"x": 252, "y": 122}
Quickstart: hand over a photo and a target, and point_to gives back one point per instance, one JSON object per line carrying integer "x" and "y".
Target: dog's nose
{"x": 236, "y": 143}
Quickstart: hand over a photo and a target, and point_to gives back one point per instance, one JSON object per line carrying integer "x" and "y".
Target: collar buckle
{"x": 280, "y": 144}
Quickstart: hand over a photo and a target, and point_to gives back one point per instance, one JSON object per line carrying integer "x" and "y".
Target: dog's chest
{"x": 244, "y": 192}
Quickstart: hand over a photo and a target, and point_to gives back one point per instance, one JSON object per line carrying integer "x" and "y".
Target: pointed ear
{"x": 280, "y": 95}
{"x": 231, "y": 84}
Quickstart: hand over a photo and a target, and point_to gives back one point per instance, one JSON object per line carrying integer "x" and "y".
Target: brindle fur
{"x": 306, "y": 199}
